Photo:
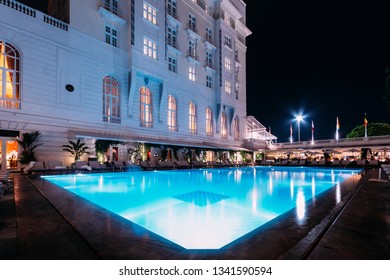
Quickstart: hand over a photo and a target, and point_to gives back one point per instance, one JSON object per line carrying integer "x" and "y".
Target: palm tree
{"x": 28, "y": 144}
{"x": 76, "y": 149}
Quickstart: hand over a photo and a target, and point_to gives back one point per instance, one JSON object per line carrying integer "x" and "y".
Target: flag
{"x": 337, "y": 128}
{"x": 312, "y": 126}
{"x": 365, "y": 125}
{"x": 291, "y": 133}
{"x": 365, "y": 120}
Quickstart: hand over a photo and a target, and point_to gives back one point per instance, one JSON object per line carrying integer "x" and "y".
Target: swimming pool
{"x": 204, "y": 208}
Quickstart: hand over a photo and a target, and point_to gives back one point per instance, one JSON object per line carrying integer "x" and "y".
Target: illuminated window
{"x": 228, "y": 87}
{"x": 146, "y": 108}
{"x": 223, "y": 125}
{"x": 172, "y": 122}
{"x": 209, "y": 122}
{"x": 150, "y": 13}
{"x": 150, "y": 48}
{"x": 111, "y": 102}
{"x": 236, "y": 129}
{"x": 192, "y": 118}
{"x": 9, "y": 77}
{"x": 228, "y": 63}
{"x": 192, "y": 73}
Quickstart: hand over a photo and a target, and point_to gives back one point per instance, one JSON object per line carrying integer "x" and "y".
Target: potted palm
{"x": 76, "y": 149}
{"x": 28, "y": 143}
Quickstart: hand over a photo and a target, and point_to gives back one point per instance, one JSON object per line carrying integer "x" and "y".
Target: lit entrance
{"x": 8, "y": 150}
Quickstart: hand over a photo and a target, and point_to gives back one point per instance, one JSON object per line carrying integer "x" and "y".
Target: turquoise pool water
{"x": 204, "y": 208}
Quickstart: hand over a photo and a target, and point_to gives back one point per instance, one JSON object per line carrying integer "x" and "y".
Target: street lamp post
{"x": 299, "y": 118}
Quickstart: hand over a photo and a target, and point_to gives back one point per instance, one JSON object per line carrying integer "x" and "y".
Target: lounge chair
{"x": 5, "y": 182}
{"x": 361, "y": 162}
{"x": 182, "y": 164}
{"x": 373, "y": 162}
{"x": 165, "y": 165}
{"x": 198, "y": 164}
{"x": 37, "y": 167}
{"x": 97, "y": 167}
{"x": 82, "y": 165}
{"x": 56, "y": 166}
{"x": 345, "y": 162}
{"x": 118, "y": 165}
{"x": 336, "y": 162}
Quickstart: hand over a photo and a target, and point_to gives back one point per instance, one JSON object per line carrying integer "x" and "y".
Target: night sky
{"x": 324, "y": 58}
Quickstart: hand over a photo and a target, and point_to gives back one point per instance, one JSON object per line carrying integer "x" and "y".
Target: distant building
{"x": 163, "y": 72}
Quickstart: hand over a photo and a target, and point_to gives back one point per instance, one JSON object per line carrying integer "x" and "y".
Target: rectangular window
{"x": 192, "y": 22}
{"x": 209, "y": 81}
{"x": 192, "y": 49}
{"x": 171, "y": 8}
{"x": 192, "y": 73}
{"x": 209, "y": 35}
{"x": 171, "y": 36}
{"x": 111, "y": 36}
{"x": 228, "y": 87}
{"x": 112, "y": 6}
{"x": 172, "y": 64}
{"x": 209, "y": 59}
{"x": 150, "y": 48}
{"x": 228, "y": 64}
{"x": 150, "y": 13}
{"x": 228, "y": 42}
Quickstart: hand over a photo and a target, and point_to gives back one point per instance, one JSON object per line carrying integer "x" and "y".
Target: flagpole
{"x": 337, "y": 128}
{"x": 312, "y": 132}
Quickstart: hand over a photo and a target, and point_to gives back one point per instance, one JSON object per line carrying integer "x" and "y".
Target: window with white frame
{"x": 209, "y": 81}
{"x": 228, "y": 63}
{"x": 228, "y": 41}
{"x": 192, "y": 73}
{"x": 172, "y": 8}
{"x": 111, "y": 36}
{"x": 192, "y": 118}
{"x": 112, "y": 6}
{"x": 150, "y": 13}
{"x": 223, "y": 125}
{"x": 192, "y": 22}
{"x": 172, "y": 64}
{"x": 236, "y": 129}
{"x": 209, "y": 122}
{"x": 209, "y": 58}
{"x": 228, "y": 86}
{"x": 192, "y": 49}
{"x": 146, "y": 108}
{"x": 150, "y": 48}
{"x": 9, "y": 77}
{"x": 209, "y": 35}
{"x": 172, "y": 36}
{"x": 111, "y": 101}
{"x": 172, "y": 114}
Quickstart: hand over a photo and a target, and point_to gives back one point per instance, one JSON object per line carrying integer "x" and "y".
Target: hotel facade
{"x": 161, "y": 72}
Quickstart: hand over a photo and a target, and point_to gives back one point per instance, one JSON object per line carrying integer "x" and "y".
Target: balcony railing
{"x": 19, "y": 7}
{"x": 10, "y": 103}
{"x": 55, "y": 22}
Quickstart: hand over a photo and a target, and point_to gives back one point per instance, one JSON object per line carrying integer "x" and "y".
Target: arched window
{"x": 172, "y": 121}
{"x": 192, "y": 118}
{"x": 223, "y": 125}
{"x": 9, "y": 76}
{"x": 111, "y": 102}
{"x": 146, "y": 108}
{"x": 236, "y": 129}
{"x": 209, "y": 122}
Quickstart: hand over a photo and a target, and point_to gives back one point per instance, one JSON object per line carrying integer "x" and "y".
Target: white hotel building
{"x": 163, "y": 72}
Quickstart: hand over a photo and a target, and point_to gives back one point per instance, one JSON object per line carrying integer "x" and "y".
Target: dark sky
{"x": 324, "y": 58}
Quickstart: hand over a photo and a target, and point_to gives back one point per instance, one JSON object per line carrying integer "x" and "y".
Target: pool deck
{"x": 39, "y": 222}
